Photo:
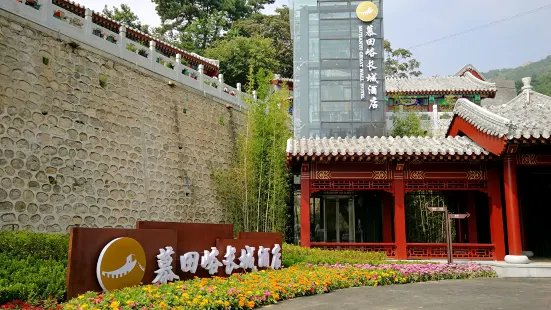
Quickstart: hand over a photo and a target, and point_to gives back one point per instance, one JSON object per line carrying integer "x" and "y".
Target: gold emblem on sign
{"x": 367, "y": 11}
{"x": 121, "y": 264}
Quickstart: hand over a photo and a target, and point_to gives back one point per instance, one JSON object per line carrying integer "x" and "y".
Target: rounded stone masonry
{"x": 516, "y": 259}
{"x": 529, "y": 254}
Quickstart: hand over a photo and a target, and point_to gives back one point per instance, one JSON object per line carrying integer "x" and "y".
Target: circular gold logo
{"x": 367, "y": 11}
{"x": 121, "y": 264}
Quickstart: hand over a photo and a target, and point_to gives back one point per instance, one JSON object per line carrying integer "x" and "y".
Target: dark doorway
{"x": 534, "y": 187}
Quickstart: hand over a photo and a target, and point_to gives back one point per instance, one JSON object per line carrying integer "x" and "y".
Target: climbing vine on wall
{"x": 254, "y": 189}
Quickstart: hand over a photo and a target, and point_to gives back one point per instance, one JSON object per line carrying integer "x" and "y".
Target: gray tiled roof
{"x": 468, "y": 82}
{"x": 527, "y": 115}
{"x": 481, "y": 118}
{"x": 384, "y": 146}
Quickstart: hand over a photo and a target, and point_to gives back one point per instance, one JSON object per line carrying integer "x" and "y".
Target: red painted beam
{"x": 492, "y": 144}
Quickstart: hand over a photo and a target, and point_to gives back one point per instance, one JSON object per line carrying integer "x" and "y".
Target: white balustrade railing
{"x": 83, "y": 29}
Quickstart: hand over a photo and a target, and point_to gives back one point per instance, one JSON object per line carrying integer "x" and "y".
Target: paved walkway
{"x": 473, "y": 294}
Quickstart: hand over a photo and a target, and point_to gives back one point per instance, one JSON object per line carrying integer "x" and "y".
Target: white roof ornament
{"x": 527, "y": 88}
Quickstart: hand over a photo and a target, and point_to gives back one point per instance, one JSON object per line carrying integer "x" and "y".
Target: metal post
{"x": 448, "y": 236}
{"x": 447, "y": 218}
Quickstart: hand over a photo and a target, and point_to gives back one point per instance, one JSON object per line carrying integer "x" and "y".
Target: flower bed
{"x": 246, "y": 291}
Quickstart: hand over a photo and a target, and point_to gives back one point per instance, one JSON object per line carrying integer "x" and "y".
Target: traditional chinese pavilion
{"x": 493, "y": 162}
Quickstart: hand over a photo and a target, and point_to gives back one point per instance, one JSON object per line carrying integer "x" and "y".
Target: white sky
{"x": 408, "y": 23}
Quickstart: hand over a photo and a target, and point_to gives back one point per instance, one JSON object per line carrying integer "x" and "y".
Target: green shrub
{"x": 295, "y": 255}
{"x": 25, "y": 244}
{"x": 31, "y": 279}
{"x": 33, "y": 265}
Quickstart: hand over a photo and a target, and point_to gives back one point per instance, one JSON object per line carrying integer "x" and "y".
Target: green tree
{"x": 238, "y": 54}
{"x": 202, "y": 20}
{"x": 254, "y": 190}
{"x": 407, "y": 124}
{"x": 399, "y": 63}
{"x": 275, "y": 27}
{"x": 126, "y": 16}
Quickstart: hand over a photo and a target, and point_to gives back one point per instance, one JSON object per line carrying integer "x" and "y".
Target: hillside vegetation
{"x": 540, "y": 71}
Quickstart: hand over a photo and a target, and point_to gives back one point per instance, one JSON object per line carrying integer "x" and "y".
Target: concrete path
{"x": 473, "y": 294}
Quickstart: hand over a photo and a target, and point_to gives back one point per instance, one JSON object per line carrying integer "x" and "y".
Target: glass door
{"x": 339, "y": 219}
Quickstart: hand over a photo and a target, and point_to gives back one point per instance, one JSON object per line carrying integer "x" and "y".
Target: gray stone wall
{"x": 77, "y": 151}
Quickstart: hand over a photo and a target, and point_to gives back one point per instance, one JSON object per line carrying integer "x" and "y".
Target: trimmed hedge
{"x": 25, "y": 244}
{"x": 296, "y": 255}
{"x": 33, "y": 266}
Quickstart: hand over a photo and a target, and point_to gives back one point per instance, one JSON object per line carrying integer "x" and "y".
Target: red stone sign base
{"x": 85, "y": 246}
{"x": 192, "y": 237}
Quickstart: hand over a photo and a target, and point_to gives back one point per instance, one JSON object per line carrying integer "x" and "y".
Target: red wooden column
{"x": 471, "y": 221}
{"x": 496, "y": 213}
{"x": 399, "y": 214}
{"x": 387, "y": 218}
{"x": 305, "y": 205}
{"x": 511, "y": 204}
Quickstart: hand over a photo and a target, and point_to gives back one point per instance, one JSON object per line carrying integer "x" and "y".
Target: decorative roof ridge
{"x": 467, "y": 67}
{"x": 383, "y": 138}
{"x": 473, "y": 78}
{"x": 425, "y": 78}
{"x": 385, "y": 145}
{"x": 483, "y": 119}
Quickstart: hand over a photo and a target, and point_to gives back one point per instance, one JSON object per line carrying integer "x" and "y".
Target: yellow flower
{"x": 81, "y": 296}
{"x": 114, "y": 305}
{"x": 163, "y": 304}
{"x": 83, "y": 306}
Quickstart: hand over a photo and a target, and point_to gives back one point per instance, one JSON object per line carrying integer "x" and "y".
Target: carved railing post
{"x": 221, "y": 84}
{"x": 122, "y": 40}
{"x": 201, "y": 78}
{"x": 239, "y": 95}
{"x": 47, "y": 11}
{"x": 152, "y": 54}
{"x": 178, "y": 66}
{"x": 87, "y": 24}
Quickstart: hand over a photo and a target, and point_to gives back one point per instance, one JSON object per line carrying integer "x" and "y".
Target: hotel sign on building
{"x": 370, "y": 58}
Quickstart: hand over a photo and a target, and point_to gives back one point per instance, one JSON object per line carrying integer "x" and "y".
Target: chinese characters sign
{"x": 189, "y": 262}
{"x": 371, "y": 45}
{"x": 160, "y": 252}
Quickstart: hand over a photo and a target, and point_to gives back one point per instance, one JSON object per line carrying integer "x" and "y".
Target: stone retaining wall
{"x": 89, "y": 139}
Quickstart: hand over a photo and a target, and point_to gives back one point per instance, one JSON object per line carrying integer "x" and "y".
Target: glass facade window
{"x": 328, "y": 98}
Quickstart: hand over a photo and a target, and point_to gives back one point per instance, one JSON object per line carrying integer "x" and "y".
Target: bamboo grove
{"x": 254, "y": 190}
